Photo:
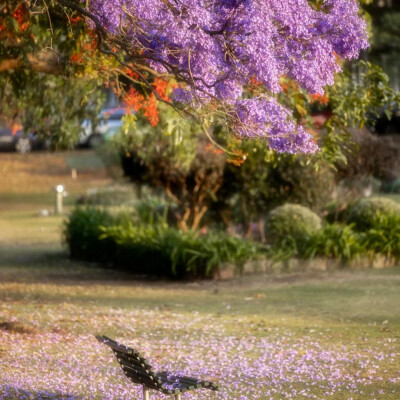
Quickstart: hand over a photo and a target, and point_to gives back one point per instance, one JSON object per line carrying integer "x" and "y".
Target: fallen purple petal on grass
{"x": 279, "y": 365}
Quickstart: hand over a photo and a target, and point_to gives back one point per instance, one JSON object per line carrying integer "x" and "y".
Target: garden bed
{"x": 298, "y": 241}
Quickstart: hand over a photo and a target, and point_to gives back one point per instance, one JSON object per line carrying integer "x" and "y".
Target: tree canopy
{"x": 226, "y": 57}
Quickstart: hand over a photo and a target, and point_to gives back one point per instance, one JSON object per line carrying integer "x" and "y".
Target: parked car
{"x": 12, "y": 138}
{"x": 110, "y": 123}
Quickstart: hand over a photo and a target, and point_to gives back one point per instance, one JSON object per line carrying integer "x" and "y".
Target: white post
{"x": 146, "y": 393}
{"x": 58, "y": 199}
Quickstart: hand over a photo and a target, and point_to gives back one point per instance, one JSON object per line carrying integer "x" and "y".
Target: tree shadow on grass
{"x": 45, "y": 264}
{"x": 10, "y": 392}
{"x": 42, "y": 264}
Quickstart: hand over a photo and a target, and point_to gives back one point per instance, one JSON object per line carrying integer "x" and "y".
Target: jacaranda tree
{"x": 226, "y": 58}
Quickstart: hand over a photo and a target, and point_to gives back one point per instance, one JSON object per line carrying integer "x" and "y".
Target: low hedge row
{"x": 373, "y": 228}
{"x": 366, "y": 213}
{"x": 82, "y": 232}
{"x": 151, "y": 248}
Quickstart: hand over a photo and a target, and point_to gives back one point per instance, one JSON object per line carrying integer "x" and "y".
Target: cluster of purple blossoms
{"x": 260, "y": 117}
{"x": 218, "y": 46}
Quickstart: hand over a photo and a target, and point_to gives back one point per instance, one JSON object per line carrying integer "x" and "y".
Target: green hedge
{"x": 364, "y": 214}
{"x": 342, "y": 242}
{"x": 384, "y": 236}
{"x": 334, "y": 241}
{"x": 296, "y": 232}
{"x": 152, "y": 248}
{"x": 159, "y": 250}
{"x": 82, "y": 231}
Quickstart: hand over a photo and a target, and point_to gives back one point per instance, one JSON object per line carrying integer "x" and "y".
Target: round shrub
{"x": 291, "y": 221}
{"x": 364, "y": 214}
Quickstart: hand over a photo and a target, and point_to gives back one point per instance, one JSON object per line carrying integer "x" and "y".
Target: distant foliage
{"x": 364, "y": 214}
{"x": 108, "y": 196}
{"x": 291, "y": 220}
{"x": 372, "y": 156}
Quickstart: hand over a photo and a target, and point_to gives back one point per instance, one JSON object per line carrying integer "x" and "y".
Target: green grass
{"x": 63, "y": 303}
{"x": 358, "y": 310}
{"x": 352, "y": 301}
{"x": 27, "y": 227}
{"x": 91, "y": 161}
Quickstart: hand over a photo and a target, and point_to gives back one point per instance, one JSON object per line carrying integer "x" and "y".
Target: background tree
{"x": 45, "y": 82}
{"x": 267, "y": 180}
{"x": 175, "y": 157}
{"x": 231, "y": 62}
{"x": 385, "y": 43}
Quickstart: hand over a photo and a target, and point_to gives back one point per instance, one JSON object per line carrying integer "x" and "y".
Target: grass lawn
{"x": 311, "y": 336}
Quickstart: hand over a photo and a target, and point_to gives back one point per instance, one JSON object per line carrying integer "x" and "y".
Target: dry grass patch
{"x": 39, "y": 172}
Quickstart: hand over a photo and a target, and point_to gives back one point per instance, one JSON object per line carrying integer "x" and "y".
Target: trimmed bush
{"x": 153, "y": 248}
{"x": 331, "y": 241}
{"x": 364, "y": 214}
{"x": 164, "y": 251}
{"x": 291, "y": 221}
{"x": 82, "y": 231}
